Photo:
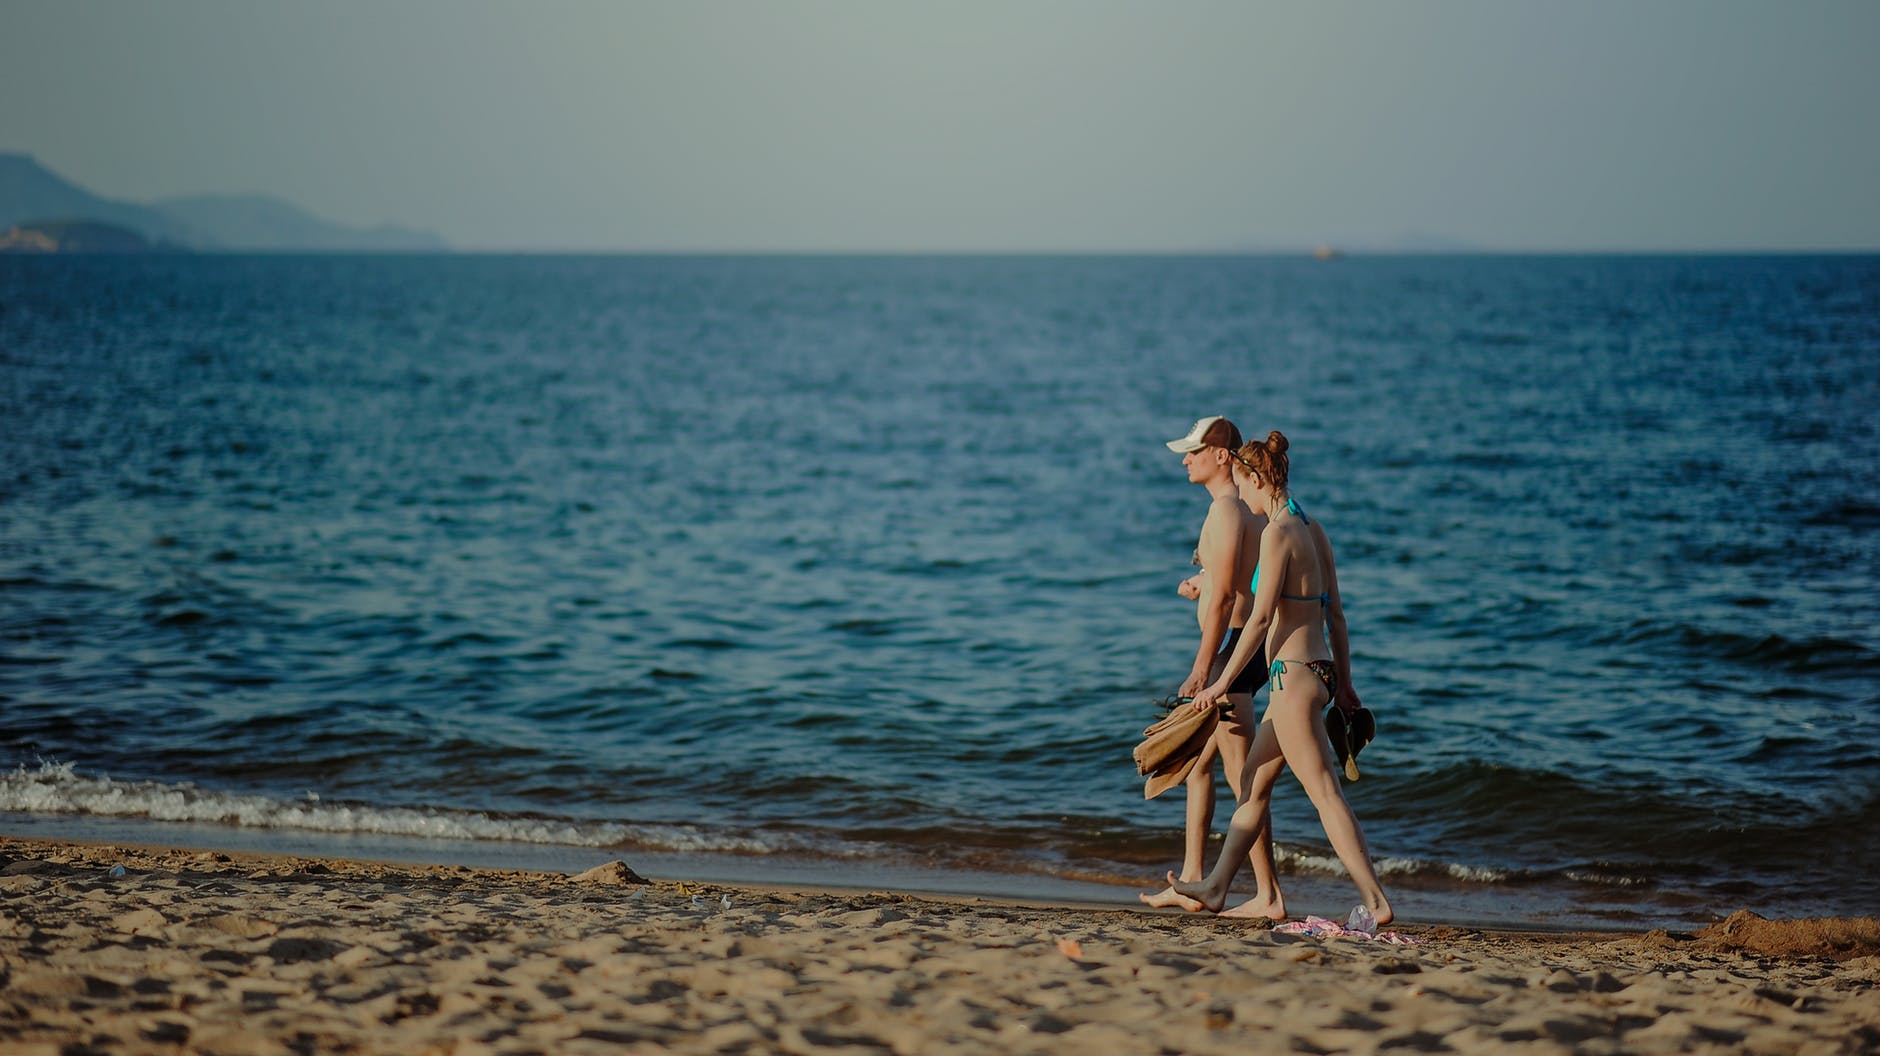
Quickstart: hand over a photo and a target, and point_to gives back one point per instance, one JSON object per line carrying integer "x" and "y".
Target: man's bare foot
{"x": 1199, "y": 890}
{"x": 1167, "y": 897}
{"x": 1253, "y": 908}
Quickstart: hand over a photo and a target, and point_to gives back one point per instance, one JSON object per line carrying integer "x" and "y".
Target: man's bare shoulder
{"x": 1222, "y": 512}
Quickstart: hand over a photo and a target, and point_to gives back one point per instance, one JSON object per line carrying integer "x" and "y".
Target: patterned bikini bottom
{"x": 1325, "y": 669}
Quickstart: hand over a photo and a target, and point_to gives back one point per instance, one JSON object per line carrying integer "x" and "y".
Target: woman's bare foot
{"x": 1381, "y": 912}
{"x": 1270, "y": 908}
{"x": 1168, "y": 897}
{"x": 1210, "y": 899}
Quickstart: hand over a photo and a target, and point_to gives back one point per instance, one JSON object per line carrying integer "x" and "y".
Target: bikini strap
{"x": 1323, "y": 597}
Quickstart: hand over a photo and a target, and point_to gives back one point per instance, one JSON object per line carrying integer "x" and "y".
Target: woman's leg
{"x": 1267, "y": 900}
{"x": 1251, "y": 820}
{"x": 1303, "y": 741}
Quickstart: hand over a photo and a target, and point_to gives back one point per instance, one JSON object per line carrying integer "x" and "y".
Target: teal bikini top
{"x": 1324, "y": 598}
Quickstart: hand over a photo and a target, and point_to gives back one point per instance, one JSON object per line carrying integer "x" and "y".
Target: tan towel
{"x": 1170, "y": 747}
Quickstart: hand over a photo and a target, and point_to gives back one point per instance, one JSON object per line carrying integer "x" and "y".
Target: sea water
{"x": 843, "y": 569}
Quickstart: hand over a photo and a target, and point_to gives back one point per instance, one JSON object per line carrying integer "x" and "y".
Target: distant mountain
{"x": 32, "y": 194}
{"x": 77, "y": 236}
{"x": 254, "y": 222}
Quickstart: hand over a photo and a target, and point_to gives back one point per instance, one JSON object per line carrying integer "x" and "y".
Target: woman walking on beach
{"x": 1294, "y": 602}
{"x": 1223, "y": 593}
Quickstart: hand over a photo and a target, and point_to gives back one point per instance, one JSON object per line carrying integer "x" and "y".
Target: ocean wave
{"x": 57, "y": 788}
{"x": 1418, "y": 868}
{"x": 1641, "y": 828}
{"x": 1816, "y": 655}
{"x": 1846, "y": 513}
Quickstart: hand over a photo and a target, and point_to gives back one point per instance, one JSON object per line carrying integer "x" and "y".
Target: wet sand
{"x": 197, "y": 951}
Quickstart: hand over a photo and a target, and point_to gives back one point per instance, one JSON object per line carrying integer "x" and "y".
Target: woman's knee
{"x": 1322, "y": 789}
{"x": 1249, "y": 815}
{"x": 1265, "y": 776}
{"x": 1260, "y": 789}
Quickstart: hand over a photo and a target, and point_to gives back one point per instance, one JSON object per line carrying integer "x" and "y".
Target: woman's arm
{"x": 1338, "y": 634}
{"x": 1253, "y": 637}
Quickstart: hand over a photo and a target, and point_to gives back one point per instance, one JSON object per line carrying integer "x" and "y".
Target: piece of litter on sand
{"x": 1071, "y": 948}
{"x": 696, "y": 904}
{"x": 1320, "y": 928}
{"x": 638, "y": 893}
{"x": 724, "y": 900}
{"x": 1361, "y": 920}
{"x": 115, "y": 871}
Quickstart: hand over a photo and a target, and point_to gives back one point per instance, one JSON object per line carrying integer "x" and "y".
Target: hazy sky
{"x": 1003, "y": 125}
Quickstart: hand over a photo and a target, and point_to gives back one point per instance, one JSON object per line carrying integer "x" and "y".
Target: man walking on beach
{"x": 1208, "y": 454}
{"x": 1228, "y": 551}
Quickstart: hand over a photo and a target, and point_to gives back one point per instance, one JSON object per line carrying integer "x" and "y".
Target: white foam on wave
{"x": 1306, "y": 862}
{"x": 1606, "y": 879}
{"x": 56, "y": 788}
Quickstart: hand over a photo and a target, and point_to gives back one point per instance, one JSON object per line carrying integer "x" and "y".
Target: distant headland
{"x": 43, "y": 212}
{"x": 77, "y": 236}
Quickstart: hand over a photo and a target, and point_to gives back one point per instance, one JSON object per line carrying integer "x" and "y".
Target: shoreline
{"x": 761, "y": 874}
{"x": 1509, "y": 907}
{"x": 717, "y": 867}
{"x": 245, "y": 952}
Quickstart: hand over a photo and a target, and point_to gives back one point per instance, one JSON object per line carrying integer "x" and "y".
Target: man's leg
{"x": 1198, "y": 822}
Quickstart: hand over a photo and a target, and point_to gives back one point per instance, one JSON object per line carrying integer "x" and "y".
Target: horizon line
{"x": 1310, "y": 252}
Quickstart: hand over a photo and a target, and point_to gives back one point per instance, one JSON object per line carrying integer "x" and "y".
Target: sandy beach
{"x": 199, "y": 951}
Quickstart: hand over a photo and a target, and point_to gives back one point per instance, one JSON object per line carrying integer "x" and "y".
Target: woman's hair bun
{"x": 1276, "y": 442}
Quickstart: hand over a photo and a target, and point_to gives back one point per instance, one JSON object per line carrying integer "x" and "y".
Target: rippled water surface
{"x": 872, "y": 561}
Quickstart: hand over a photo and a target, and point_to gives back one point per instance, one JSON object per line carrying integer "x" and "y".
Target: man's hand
{"x": 1190, "y": 588}
{"x": 1194, "y": 683}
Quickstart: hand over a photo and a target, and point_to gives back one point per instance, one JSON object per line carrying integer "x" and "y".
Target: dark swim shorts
{"x": 1250, "y": 676}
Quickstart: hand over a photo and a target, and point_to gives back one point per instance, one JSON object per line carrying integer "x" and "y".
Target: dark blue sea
{"x": 862, "y": 570}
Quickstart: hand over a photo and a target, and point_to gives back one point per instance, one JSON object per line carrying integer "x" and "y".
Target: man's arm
{"x": 1219, "y": 549}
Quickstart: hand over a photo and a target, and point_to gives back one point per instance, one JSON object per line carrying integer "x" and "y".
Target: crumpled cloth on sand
{"x": 1320, "y": 928}
{"x": 1171, "y": 745}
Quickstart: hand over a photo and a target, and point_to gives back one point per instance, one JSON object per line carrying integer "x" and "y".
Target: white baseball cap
{"x": 1212, "y": 431}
